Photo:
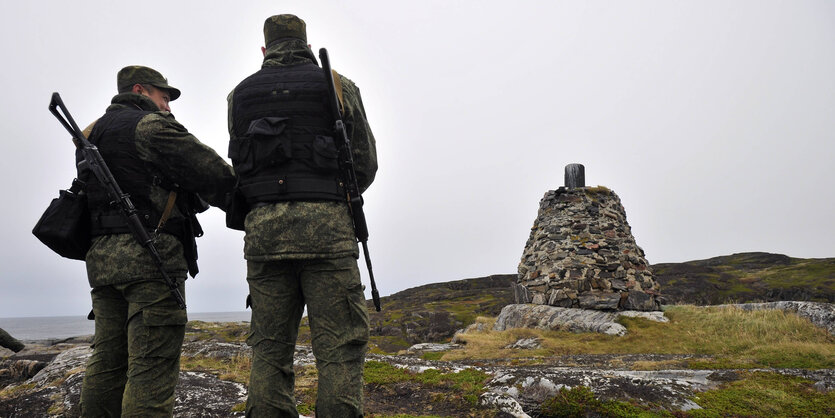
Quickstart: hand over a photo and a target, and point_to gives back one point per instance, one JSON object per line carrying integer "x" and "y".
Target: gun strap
{"x": 337, "y": 82}
{"x": 86, "y": 132}
{"x": 169, "y": 206}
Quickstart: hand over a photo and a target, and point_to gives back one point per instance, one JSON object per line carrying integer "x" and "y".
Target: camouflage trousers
{"x": 336, "y": 310}
{"x": 136, "y": 351}
{"x": 10, "y": 342}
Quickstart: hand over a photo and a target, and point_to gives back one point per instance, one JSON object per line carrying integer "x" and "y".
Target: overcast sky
{"x": 712, "y": 120}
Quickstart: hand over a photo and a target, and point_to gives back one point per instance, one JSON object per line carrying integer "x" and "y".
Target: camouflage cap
{"x": 137, "y": 74}
{"x": 283, "y": 26}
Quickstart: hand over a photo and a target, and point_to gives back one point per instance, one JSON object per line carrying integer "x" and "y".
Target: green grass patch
{"x": 760, "y": 394}
{"x": 232, "y": 369}
{"x": 581, "y": 402}
{"x": 433, "y": 355}
{"x": 306, "y": 409}
{"x": 219, "y": 331}
{"x": 469, "y": 383}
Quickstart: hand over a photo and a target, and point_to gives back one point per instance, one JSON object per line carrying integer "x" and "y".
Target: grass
{"x": 219, "y": 331}
{"x": 232, "y": 369}
{"x": 580, "y": 401}
{"x": 14, "y": 391}
{"x": 755, "y": 394}
{"x": 467, "y": 383}
{"x": 765, "y": 394}
{"x": 733, "y": 338}
{"x": 718, "y": 338}
{"x": 752, "y": 277}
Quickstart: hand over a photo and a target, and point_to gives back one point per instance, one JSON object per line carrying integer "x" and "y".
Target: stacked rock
{"x": 581, "y": 254}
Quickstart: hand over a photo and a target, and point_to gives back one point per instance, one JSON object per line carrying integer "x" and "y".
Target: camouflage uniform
{"x": 304, "y": 252}
{"x": 10, "y": 342}
{"x": 139, "y": 327}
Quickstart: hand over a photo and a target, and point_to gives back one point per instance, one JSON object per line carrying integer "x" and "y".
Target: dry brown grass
{"x": 766, "y": 338}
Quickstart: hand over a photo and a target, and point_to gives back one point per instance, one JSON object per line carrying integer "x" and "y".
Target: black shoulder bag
{"x": 65, "y": 225}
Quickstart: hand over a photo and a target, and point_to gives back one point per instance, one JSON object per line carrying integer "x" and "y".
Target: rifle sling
{"x": 169, "y": 206}
{"x": 337, "y": 81}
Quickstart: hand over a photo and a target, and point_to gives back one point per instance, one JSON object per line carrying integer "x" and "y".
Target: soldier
{"x": 299, "y": 244}
{"x": 139, "y": 326}
{"x": 10, "y": 342}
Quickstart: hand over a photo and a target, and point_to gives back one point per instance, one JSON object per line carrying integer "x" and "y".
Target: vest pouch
{"x": 268, "y": 147}
{"x": 239, "y": 153}
{"x": 325, "y": 155}
{"x": 186, "y": 230}
{"x": 236, "y": 209}
{"x": 65, "y": 225}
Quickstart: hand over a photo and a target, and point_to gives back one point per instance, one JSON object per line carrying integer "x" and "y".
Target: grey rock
{"x": 216, "y": 349}
{"x": 526, "y": 344}
{"x": 605, "y": 301}
{"x": 432, "y": 347}
{"x": 657, "y": 316}
{"x": 504, "y": 403}
{"x": 555, "y": 318}
{"x": 569, "y": 319}
{"x": 640, "y": 301}
{"x": 204, "y": 395}
{"x": 72, "y": 359}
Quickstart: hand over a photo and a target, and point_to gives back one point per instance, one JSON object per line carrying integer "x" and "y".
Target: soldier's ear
{"x": 137, "y": 88}
{"x": 264, "y": 51}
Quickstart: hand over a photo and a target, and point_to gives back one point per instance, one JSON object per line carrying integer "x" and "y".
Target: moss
{"x": 467, "y": 383}
{"x": 305, "y": 409}
{"x": 434, "y": 355}
{"x": 241, "y": 407}
{"x": 580, "y": 401}
{"x": 234, "y": 369}
{"x": 13, "y": 391}
{"x": 377, "y": 372}
{"x": 218, "y": 331}
{"x": 765, "y": 394}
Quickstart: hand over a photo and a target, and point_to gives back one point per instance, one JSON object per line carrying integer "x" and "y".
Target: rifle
{"x": 349, "y": 175}
{"x": 94, "y": 161}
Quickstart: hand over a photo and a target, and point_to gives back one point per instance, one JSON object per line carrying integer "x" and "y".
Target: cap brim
{"x": 173, "y": 92}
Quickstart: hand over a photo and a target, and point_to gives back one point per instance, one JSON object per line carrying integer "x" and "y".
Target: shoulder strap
{"x": 337, "y": 81}
{"x": 87, "y": 131}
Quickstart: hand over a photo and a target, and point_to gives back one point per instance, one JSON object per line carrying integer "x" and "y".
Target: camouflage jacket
{"x": 306, "y": 230}
{"x": 170, "y": 152}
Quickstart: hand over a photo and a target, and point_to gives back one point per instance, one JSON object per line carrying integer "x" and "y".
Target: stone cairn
{"x": 581, "y": 253}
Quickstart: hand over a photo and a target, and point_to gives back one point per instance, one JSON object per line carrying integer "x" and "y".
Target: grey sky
{"x": 712, "y": 120}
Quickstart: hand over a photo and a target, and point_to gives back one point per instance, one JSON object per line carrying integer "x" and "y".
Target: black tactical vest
{"x": 114, "y": 135}
{"x": 285, "y": 148}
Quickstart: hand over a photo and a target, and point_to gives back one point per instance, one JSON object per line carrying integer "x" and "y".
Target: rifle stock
{"x": 349, "y": 175}
{"x": 96, "y": 164}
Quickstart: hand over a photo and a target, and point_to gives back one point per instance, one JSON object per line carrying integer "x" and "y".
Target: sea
{"x": 59, "y": 327}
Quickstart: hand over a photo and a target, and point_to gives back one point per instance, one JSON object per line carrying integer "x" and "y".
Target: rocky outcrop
{"x": 511, "y": 390}
{"x": 56, "y": 390}
{"x": 567, "y": 319}
{"x": 581, "y": 254}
